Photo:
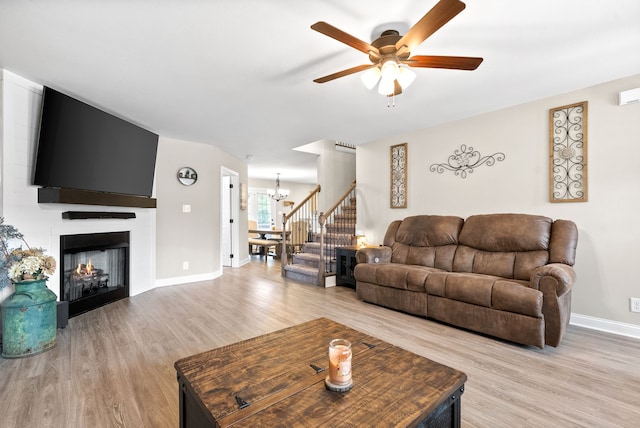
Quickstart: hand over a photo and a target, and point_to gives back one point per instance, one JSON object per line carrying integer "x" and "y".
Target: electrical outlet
{"x": 186, "y": 208}
{"x": 185, "y": 265}
{"x": 634, "y": 303}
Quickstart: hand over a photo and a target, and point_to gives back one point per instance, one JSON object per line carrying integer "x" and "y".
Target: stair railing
{"x": 299, "y": 226}
{"x": 339, "y": 222}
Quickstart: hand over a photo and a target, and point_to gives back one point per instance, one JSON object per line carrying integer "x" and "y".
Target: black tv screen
{"x": 82, "y": 147}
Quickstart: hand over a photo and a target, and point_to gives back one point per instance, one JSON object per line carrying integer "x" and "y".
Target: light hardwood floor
{"x": 113, "y": 367}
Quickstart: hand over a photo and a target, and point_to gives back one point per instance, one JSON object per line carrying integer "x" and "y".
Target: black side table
{"x": 345, "y": 263}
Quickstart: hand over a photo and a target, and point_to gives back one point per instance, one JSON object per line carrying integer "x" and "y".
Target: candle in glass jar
{"x": 339, "y": 378}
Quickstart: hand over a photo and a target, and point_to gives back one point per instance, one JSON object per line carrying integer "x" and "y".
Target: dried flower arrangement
{"x": 18, "y": 264}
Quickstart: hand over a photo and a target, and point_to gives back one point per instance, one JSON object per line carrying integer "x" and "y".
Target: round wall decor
{"x": 187, "y": 176}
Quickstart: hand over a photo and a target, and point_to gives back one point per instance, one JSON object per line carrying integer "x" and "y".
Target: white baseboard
{"x": 186, "y": 279}
{"x": 615, "y": 327}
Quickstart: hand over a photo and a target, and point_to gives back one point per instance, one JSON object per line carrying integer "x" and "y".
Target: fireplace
{"x": 94, "y": 271}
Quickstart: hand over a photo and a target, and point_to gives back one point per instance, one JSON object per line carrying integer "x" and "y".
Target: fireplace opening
{"x": 95, "y": 270}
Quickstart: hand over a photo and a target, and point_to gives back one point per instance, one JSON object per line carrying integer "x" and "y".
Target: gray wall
{"x": 609, "y": 239}
{"x": 194, "y": 236}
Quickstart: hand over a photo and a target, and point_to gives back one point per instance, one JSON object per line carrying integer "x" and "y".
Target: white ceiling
{"x": 238, "y": 74}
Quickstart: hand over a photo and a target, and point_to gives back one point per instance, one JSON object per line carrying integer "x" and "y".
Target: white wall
{"x": 336, "y": 172}
{"x": 1, "y": 134}
{"x": 609, "y": 238}
{"x": 42, "y": 224}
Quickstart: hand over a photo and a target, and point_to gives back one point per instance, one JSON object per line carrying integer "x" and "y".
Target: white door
{"x": 229, "y": 203}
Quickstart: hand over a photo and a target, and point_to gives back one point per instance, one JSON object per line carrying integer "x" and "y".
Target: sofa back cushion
{"x": 427, "y": 240}
{"x": 564, "y": 241}
{"x": 505, "y": 245}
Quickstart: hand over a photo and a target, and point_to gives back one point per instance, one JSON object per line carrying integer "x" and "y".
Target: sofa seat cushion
{"x": 394, "y": 275}
{"x": 517, "y": 298}
{"x": 487, "y": 291}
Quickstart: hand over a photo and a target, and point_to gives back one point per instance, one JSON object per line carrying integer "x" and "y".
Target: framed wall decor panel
{"x": 399, "y": 176}
{"x": 568, "y": 153}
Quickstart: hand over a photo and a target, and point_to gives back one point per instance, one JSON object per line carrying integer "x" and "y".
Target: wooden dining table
{"x": 274, "y": 235}
{"x": 264, "y": 232}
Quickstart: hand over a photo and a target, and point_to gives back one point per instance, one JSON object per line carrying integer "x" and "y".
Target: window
{"x": 261, "y": 208}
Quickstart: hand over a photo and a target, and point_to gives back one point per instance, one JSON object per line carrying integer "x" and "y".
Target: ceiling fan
{"x": 390, "y": 54}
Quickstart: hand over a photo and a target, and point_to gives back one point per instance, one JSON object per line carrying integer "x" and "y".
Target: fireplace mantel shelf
{"x": 58, "y": 195}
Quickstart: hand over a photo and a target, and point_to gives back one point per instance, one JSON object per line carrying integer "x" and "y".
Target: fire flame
{"x": 87, "y": 269}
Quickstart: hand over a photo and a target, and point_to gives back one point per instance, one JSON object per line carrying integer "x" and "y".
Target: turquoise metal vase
{"x": 29, "y": 320}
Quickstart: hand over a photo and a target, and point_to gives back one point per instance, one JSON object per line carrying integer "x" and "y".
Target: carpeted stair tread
{"x": 307, "y": 270}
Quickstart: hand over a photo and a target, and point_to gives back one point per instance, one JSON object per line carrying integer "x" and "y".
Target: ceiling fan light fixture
{"x": 386, "y": 86}
{"x": 371, "y": 77}
{"x": 406, "y": 76}
{"x": 389, "y": 73}
{"x": 390, "y": 70}
{"x": 391, "y": 62}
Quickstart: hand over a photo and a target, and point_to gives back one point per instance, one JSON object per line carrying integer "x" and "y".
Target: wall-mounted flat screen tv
{"x": 84, "y": 148}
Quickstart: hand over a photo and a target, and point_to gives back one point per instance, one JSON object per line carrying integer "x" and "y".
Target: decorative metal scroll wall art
{"x": 463, "y": 161}
{"x": 568, "y": 153}
{"x": 399, "y": 176}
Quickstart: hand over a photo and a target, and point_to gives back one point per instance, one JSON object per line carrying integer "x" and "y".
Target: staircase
{"x": 316, "y": 259}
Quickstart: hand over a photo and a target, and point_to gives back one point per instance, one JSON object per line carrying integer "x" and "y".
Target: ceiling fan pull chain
{"x": 391, "y": 100}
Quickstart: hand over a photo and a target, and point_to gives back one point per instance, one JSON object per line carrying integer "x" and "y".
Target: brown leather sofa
{"x": 505, "y": 275}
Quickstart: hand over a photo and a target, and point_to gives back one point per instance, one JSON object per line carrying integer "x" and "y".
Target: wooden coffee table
{"x": 278, "y": 380}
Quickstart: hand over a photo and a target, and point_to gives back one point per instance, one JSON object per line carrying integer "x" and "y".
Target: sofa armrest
{"x": 561, "y": 275}
{"x": 374, "y": 255}
{"x": 555, "y": 281}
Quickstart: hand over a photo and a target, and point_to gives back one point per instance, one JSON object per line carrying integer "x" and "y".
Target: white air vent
{"x": 629, "y": 97}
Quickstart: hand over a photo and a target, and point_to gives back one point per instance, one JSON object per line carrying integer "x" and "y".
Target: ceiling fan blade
{"x": 439, "y": 15}
{"x": 346, "y": 38}
{"x": 343, "y": 73}
{"x": 450, "y": 62}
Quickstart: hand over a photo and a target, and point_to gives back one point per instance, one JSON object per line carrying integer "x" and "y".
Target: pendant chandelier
{"x": 278, "y": 194}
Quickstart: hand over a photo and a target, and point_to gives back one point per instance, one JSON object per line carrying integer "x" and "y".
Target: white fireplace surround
{"x": 42, "y": 224}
